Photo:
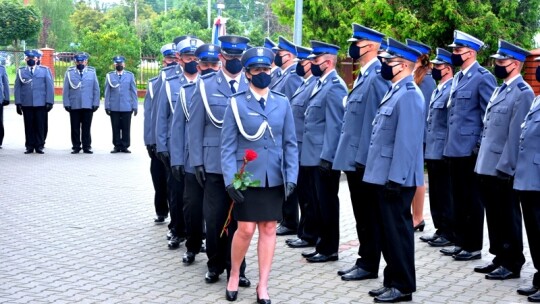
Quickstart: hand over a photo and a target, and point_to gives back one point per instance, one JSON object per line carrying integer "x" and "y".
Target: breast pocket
{"x": 499, "y": 115}
{"x": 386, "y": 118}
{"x": 218, "y": 106}
{"x": 463, "y": 100}
{"x": 354, "y": 104}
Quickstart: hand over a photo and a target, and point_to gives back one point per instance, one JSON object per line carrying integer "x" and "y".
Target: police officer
{"x": 4, "y": 94}
{"x": 440, "y": 197}
{"x": 207, "y": 55}
{"x": 527, "y": 183}
{"x": 496, "y": 163}
{"x": 395, "y": 167}
{"x": 471, "y": 90}
{"x": 34, "y": 97}
{"x": 81, "y": 100}
{"x": 120, "y": 102}
{"x": 351, "y": 155}
{"x": 206, "y": 120}
{"x": 322, "y": 127}
{"x": 275, "y": 71}
{"x": 307, "y": 228}
{"x": 261, "y": 120}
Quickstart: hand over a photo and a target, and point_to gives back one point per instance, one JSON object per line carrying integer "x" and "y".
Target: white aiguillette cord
{"x": 183, "y": 102}
{"x": 169, "y": 97}
{"x": 22, "y": 79}
{"x": 109, "y": 81}
{"x": 71, "y": 83}
{"x": 217, "y": 123}
{"x": 262, "y": 128}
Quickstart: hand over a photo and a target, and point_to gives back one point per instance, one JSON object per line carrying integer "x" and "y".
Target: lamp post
{"x": 220, "y": 6}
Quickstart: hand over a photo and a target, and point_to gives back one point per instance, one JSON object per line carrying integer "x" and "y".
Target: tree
{"x": 17, "y": 22}
{"x": 57, "y": 31}
{"x": 85, "y": 19}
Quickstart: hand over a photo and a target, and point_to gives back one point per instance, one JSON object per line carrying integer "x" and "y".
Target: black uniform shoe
{"x": 115, "y": 150}
{"x": 169, "y": 234}
{"x": 88, "y": 151}
{"x": 75, "y": 151}
{"x": 427, "y": 238}
{"x": 159, "y": 219}
{"x": 125, "y": 151}
{"x": 359, "y": 274}
{"x": 440, "y": 242}
{"x": 322, "y": 258}
{"x": 287, "y": 241}
{"x": 174, "y": 242}
{"x": 345, "y": 271}
{"x": 282, "y": 230}
{"x": 465, "y": 255}
{"x": 392, "y": 295}
{"x": 211, "y": 277}
{"x": 534, "y": 297}
{"x": 188, "y": 258}
{"x": 29, "y": 151}
{"x": 502, "y": 273}
{"x": 527, "y": 291}
{"x": 40, "y": 151}
{"x": 486, "y": 268}
{"x": 309, "y": 253}
{"x": 299, "y": 243}
{"x": 377, "y": 292}
{"x": 450, "y": 251}
{"x": 244, "y": 282}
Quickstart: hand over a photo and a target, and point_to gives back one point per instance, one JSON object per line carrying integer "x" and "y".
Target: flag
{"x": 219, "y": 29}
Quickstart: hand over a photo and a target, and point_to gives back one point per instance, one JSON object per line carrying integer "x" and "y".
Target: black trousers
{"x": 531, "y": 217}
{"x": 440, "y": 197}
{"x": 35, "y": 124}
{"x": 397, "y": 238}
{"x": 193, "y": 213}
{"x": 308, "y": 227}
{"x": 81, "y": 121}
{"x": 326, "y": 186}
{"x": 365, "y": 209}
{"x": 468, "y": 207}
{"x": 175, "y": 192}
{"x": 121, "y": 124}
{"x": 290, "y": 211}
{"x": 159, "y": 179}
{"x": 503, "y": 216}
{"x": 1, "y": 124}
{"x": 216, "y": 203}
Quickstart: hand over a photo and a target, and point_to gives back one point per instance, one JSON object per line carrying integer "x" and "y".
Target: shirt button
{"x": 265, "y": 147}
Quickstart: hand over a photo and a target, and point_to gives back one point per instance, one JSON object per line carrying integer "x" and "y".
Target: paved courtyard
{"x": 79, "y": 229}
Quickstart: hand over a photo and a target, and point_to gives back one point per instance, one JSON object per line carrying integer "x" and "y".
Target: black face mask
{"x": 261, "y": 80}
{"x": 457, "y": 60}
{"x": 38, "y": 62}
{"x": 386, "y": 71}
{"x": 538, "y": 73}
{"x": 80, "y": 67}
{"x": 300, "y": 70}
{"x": 31, "y": 62}
{"x": 354, "y": 51}
{"x": 437, "y": 74}
{"x": 207, "y": 71}
{"x": 500, "y": 71}
{"x": 278, "y": 60}
{"x": 316, "y": 70}
{"x": 119, "y": 68}
{"x": 234, "y": 66}
{"x": 172, "y": 63}
{"x": 191, "y": 67}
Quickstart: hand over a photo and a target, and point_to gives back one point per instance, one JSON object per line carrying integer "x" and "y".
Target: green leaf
{"x": 255, "y": 183}
{"x": 237, "y": 184}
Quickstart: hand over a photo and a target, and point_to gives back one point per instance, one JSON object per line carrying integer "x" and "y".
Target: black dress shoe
{"x": 160, "y": 220}
{"x": 502, "y": 273}
{"x": 175, "y": 242}
{"x": 29, "y": 151}
{"x": 287, "y": 241}
{"x": 263, "y": 301}
{"x": 486, "y": 268}
{"x": 299, "y": 243}
{"x": 125, "y": 151}
{"x": 465, "y": 255}
{"x": 282, "y": 230}
{"x": 115, "y": 150}
{"x": 359, "y": 274}
{"x": 169, "y": 234}
{"x": 88, "y": 151}
{"x": 211, "y": 277}
{"x": 392, "y": 295}
{"x": 322, "y": 258}
{"x": 188, "y": 258}
{"x": 231, "y": 295}
{"x": 75, "y": 151}
{"x": 450, "y": 251}
{"x": 345, "y": 271}
{"x": 244, "y": 282}
{"x": 377, "y": 292}
{"x": 534, "y": 297}
{"x": 427, "y": 238}
{"x": 40, "y": 151}
{"x": 527, "y": 291}
{"x": 309, "y": 253}
{"x": 441, "y": 241}
{"x": 420, "y": 226}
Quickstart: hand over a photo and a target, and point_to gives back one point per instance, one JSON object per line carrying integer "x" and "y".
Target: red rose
{"x": 250, "y": 155}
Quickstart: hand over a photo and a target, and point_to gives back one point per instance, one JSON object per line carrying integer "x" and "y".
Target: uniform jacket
{"x": 527, "y": 174}
{"x": 275, "y": 75}
{"x": 4, "y": 83}
{"x": 437, "y": 122}
{"x": 163, "y": 74}
{"x": 34, "y": 90}
{"x": 204, "y": 136}
{"x": 121, "y": 92}
{"x": 81, "y": 92}
{"x": 395, "y": 150}
{"x": 361, "y": 108}
{"x": 502, "y": 127}
{"x": 427, "y": 86}
{"x": 288, "y": 83}
{"x": 168, "y": 96}
{"x": 299, "y": 103}
{"x": 466, "y": 107}
{"x": 322, "y": 124}
{"x": 179, "y": 131}
{"x": 150, "y": 92}
{"x": 277, "y": 160}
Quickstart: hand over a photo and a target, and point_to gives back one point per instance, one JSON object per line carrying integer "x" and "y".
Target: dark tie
{"x": 81, "y": 73}
{"x": 436, "y": 91}
{"x": 31, "y": 71}
{"x": 233, "y": 90}
{"x": 319, "y": 84}
{"x": 119, "y": 75}
{"x": 503, "y": 87}
{"x": 460, "y": 76}
{"x": 261, "y": 102}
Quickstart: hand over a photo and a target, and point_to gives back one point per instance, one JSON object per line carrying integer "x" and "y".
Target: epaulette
{"x": 238, "y": 93}
{"x": 410, "y": 86}
{"x": 128, "y": 72}
{"x": 523, "y": 86}
{"x": 71, "y": 68}
{"x": 90, "y": 68}
{"x": 293, "y": 72}
{"x": 208, "y": 75}
{"x": 112, "y": 72}
{"x": 43, "y": 67}
{"x": 378, "y": 71}
{"x": 278, "y": 93}
{"x": 23, "y": 67}
{"x": 483, "y": 70}
{"x": 335, "y": 80}
{"x": 172, "y": 77}
{"x": 187, "y": 85}
{"x": 153, "y": 79}
{"x": 167, "y": 68}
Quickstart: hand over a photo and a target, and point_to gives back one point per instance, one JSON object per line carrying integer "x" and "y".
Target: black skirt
{"x": 260, "y": 204}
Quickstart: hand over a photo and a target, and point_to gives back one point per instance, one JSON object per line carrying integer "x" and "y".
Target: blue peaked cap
{"x": 365, "y": 33}
{"x": 398, "y": 49}
{"x": 285, "y": 45}
{"x": 31, "y": 53}
{"x": 303, "y": 53}
{"x": 208, "y": 52}
{"x": 419, "y": 46}
{"x": 232, "y": 44}
{"x": 80, "y": 57}
{"x": 119, "y": 59}
{"x": 462, "y": 39}
{"x": 321, "y": 48}
{"x": 509, "y": 51}
{"x": 258, "y": 57}
{"x": 268, "y": 43}
{"x": 443, "y": 57}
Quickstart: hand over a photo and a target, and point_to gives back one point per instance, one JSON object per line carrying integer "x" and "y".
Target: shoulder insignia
{"x": 128, "y": 72}
{"x": 335, "y": 80}
{"x": 91, "y": 68}
{"x": 112, "y": 72}
{"x": 483, "y": 70}
{"x": 378, "y": 70}
{"x": 23, "y": 67}
{"x": 208, "y": 75}
{"x": 167, "y": 68}
{"x": 293, "y": 72}
{"x": 410, "y": 86}
{"x": 172, "y": 77}
{"x": 153, "y": 79}
{"x": 238, "y": 93}
{"x": 523, "y": 86}
{"x": 278, "y": 93}
{"x": 71, "y": 68}
{"x": 187, "y": 85}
